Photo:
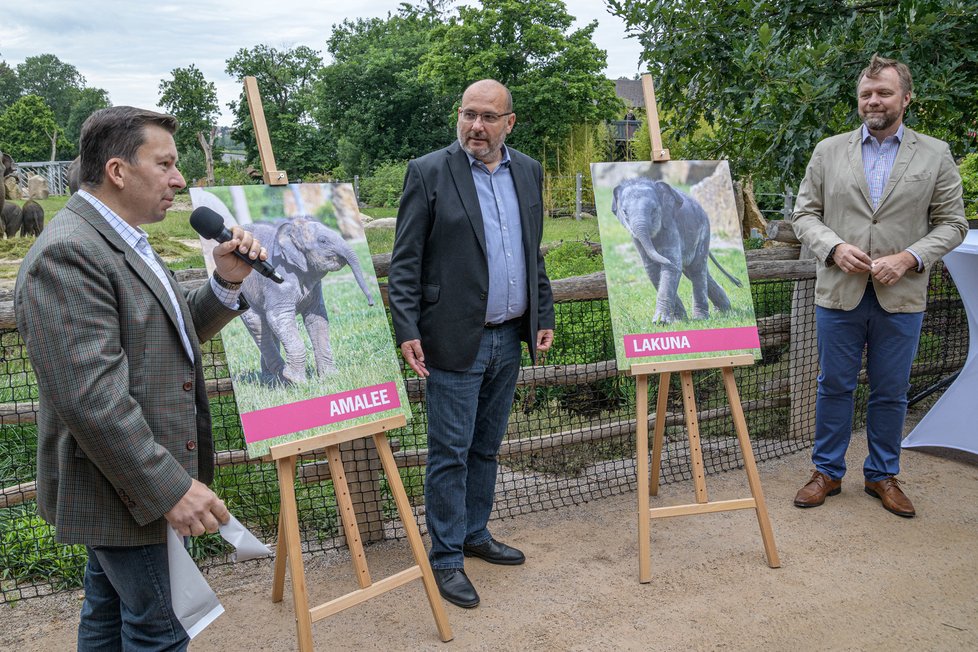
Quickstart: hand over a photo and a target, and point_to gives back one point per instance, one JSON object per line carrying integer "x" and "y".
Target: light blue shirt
{"x": 878, "y": 161}
{"x": 504, "y": 239}
{"x": 139, "y": 241}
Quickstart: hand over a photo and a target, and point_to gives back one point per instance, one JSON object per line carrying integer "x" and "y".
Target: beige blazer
{"x": 921, "y": 208}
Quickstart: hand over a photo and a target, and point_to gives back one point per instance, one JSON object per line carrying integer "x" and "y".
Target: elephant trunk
{"x": 354, "y": 263}
{"x": 651, "y": 252}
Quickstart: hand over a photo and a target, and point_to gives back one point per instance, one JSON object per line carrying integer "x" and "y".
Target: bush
{"x": 572, "y": 259}
{"x": 232, "y": 173}
{"x": 969, "y": 179}
{"x": 383, "y": 187}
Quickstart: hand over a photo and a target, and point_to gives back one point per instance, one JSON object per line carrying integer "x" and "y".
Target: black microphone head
{"x": 207, "y": 222}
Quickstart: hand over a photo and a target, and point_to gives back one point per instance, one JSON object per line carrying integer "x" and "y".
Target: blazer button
{"x": 191, "y": 445}
{"x": 875, "y": 221}
{"x": 187, "y": 386}
{"x": 483, "y": 296}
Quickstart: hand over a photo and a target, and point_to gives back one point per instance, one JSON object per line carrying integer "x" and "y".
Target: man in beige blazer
{"x": 878, "y": 206}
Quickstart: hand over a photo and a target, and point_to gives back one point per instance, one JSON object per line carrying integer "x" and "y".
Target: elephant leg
{"x": 717, "y": 295}
{"x": 699, "y": 276}
{"x": 666, "y": 311}
{"x": 317, "y": 325}
{"x": 667, "y": 299}
{"x": 286, "y": 330}
{"x": 268, "y": 346}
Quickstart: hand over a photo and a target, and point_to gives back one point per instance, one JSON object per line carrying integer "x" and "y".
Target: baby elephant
{"x": 302, "y": 250}
{"x": 672, "y": 234}
{"x": 32, "y": 215}
{"x": 13, "y": 218}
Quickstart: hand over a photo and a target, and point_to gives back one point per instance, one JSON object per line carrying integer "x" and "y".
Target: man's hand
{"x": 230, "y": 267}
{"x": 199, "y": 511}
{"x": 414, "y": 356}
{"x": 545, "y": 338}
{"x": 851, "y": 259}
{"x": 890, "y": 269}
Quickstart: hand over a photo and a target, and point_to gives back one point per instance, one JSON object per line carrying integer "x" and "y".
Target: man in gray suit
{"x": 878, "y": 206}
{"x": 124, "y": 429}
{"x": 467, "y": 284}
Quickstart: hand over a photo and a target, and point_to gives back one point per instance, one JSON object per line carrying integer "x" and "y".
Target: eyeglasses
{"x": 487, "y": 118}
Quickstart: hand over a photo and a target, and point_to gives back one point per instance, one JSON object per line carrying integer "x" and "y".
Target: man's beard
{"x": 880, "y": 121}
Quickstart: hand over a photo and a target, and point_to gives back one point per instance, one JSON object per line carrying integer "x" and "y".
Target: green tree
{"x": 9, "y": 85}
{"x": 89, "y": 101}
{"x": 27, "y": 129}
{"x": 285, "y": 80}
{"x": 193, "y": 100}
{"x": 770, "y": 78}
{"x": 56, "y": 82}
{"x": 372, "y": 99}
{"x": 555, "y": 75}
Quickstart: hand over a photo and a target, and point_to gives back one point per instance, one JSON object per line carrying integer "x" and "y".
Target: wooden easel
{"x": 289, "y": 548}
{"x": 648, "y": 480}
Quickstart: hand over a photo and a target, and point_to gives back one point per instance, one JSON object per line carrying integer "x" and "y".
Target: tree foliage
{"x": 193, "y": 100}
{"x": 26, "y": 128}
{"x": 372, "y": 98}
{"x": 89, "y": 101}
{"x": 555, "y": 75}
{"x": 285, "y": 79}
{"x": 770, "y": 78}
{"x": 9, "y": 85}
{"x": 56, "y": 82}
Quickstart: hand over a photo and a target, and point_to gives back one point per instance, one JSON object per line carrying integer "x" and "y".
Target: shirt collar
{"x": 898, "y": 135}
{"x": 134, "y": 236}
{"x": 504, "y": 161}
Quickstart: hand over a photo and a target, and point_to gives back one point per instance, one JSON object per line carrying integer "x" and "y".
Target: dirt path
{"x": 854, "y": 577}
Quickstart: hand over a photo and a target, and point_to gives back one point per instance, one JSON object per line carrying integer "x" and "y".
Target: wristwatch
{"x": 830, "y": 259}
{"x": 226, "y": 284}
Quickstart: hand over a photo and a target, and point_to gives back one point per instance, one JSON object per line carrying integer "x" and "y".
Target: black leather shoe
{"x": 495, "y": 552}
{"x": 455, "y": 587}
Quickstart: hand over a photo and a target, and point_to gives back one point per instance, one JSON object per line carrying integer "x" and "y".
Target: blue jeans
{"x": 127, "y": 602}
{"x": 468, "y": 412}
{"x": 890, "y": 340}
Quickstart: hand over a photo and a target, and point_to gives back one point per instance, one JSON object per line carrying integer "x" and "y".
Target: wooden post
{"x": 659, "y": 153}
{"x": 272, "y": 175}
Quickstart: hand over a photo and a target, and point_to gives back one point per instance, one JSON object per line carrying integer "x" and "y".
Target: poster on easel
{"x": 674, "y": 261}
{"x": 313, "y": 354}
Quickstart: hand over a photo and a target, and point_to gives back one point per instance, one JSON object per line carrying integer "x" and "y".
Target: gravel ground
{"x": 853, "y": 577}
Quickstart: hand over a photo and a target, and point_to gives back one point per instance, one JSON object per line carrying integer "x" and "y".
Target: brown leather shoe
{"x": 814, "y": 492}
{"x": 894, "y": 500}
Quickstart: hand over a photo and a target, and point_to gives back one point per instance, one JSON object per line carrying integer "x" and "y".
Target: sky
{"x": 127, "y": 47}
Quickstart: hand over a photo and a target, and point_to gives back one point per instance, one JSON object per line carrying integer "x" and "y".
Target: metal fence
{"x": 54, "y": 172}
{"x": 571, "y": 437}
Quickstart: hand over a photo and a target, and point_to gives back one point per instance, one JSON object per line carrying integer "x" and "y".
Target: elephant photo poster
{"x": 313, "y": 354}
{"x": 674, "y": 261}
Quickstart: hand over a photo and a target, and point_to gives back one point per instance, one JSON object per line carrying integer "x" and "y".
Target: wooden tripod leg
{"x": 281, "y": 556}
{"x": 642, "y": 468}
{"x": 660, "y": 429}
{"x": 413, "y": 535}
{"x": 753, "y": 478}
{"x": 289, "y": 518}
{"x": 693, "y": 429}
{"x": 344, "y": 505}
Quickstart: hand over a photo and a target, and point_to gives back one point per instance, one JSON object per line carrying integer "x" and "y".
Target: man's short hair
{"x": 878, "y": 63}
{"x": 115, "y": 132}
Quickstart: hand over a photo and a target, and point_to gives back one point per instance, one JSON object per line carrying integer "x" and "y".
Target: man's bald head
{"x": 488, "y": 87}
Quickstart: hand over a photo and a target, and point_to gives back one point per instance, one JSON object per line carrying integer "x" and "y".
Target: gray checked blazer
{"x": 123, "y": 421}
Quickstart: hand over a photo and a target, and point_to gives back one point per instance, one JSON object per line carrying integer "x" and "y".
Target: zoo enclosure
{"x": 571, "y": 435}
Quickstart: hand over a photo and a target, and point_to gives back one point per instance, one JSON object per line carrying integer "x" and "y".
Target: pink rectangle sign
{"x": 706, "y": 341}
{"x": 322, "y": 411}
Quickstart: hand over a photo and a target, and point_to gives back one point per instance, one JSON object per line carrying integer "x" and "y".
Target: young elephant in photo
{"x": 672, "y": 234}
{"x": 302, "y": 250}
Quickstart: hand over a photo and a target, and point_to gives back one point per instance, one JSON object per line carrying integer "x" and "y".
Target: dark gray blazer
{"x": 123, "y": 423}
{"x": 439, "y": 273}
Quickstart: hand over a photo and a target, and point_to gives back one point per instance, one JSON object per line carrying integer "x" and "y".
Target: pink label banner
{"x": 717, "y": 339}
{"x": 322, "y": 411}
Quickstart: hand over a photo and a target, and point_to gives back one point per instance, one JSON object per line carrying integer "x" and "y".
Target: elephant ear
{"x": 669, "y": 197}
{"x": 615, "y": 198}
{"x": 288, "y": 237}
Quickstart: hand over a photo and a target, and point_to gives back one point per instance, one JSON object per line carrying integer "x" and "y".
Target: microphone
{"x": 210, "y": 225}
